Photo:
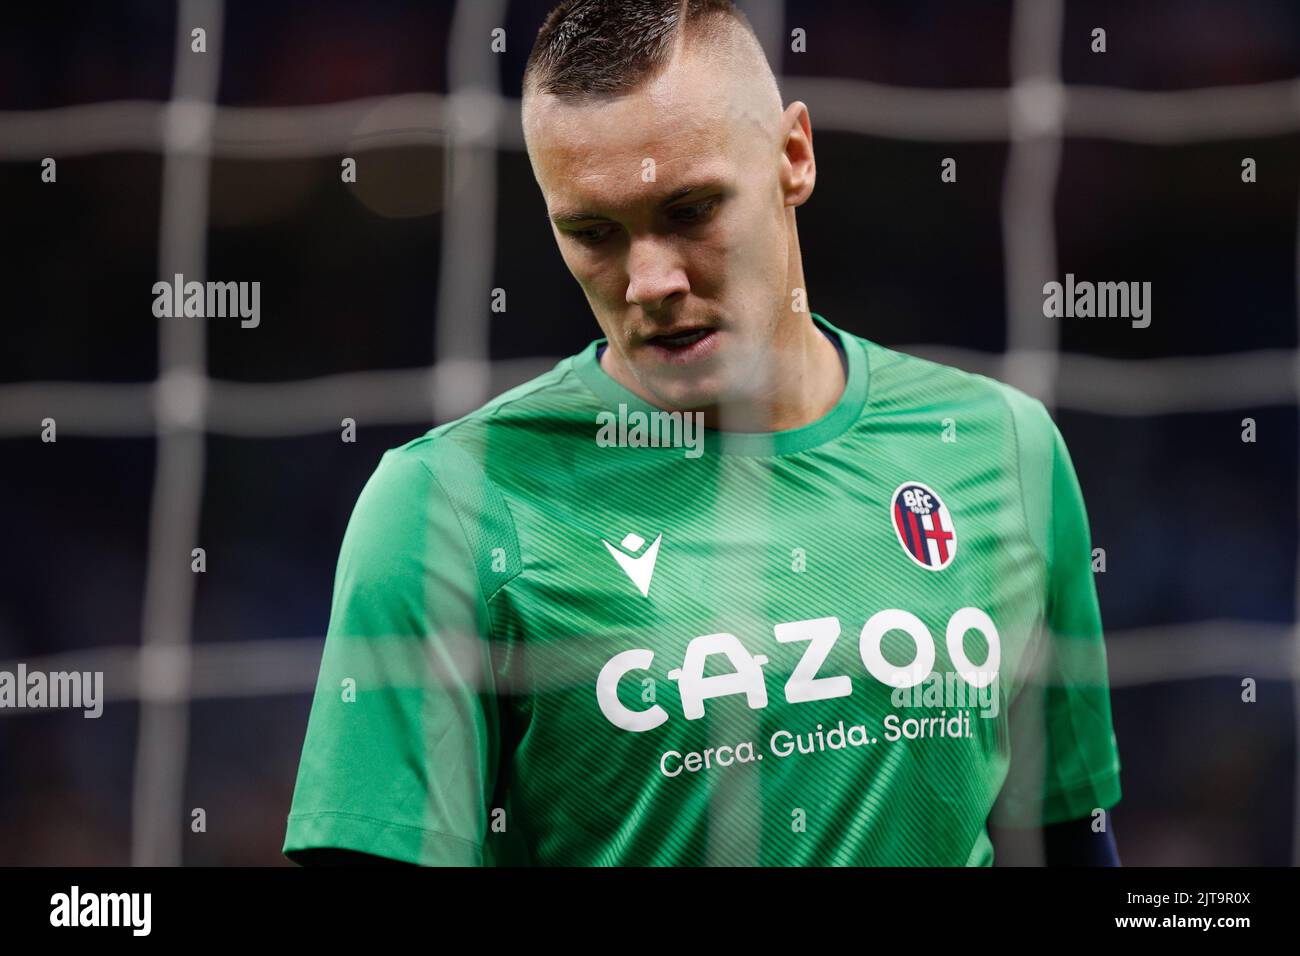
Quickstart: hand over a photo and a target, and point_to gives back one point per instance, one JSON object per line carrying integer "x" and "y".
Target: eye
{"x": 592, "y": 235}
{"x": 695, "y": 212}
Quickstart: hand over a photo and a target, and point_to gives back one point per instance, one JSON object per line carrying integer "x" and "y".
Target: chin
{"x": 684, "y": 396}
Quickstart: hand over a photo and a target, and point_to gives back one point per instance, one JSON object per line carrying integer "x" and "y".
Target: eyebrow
{"x": 572, "y": 218}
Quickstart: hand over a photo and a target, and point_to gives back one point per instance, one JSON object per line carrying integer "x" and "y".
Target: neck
{"x": 800, "y": 377}
{"x": 803, "y": 381}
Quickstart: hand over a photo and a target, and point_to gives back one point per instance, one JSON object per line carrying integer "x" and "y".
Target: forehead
{"x": 689, "y": 120}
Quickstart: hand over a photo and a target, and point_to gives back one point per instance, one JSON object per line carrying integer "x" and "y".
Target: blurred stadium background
{"x": 375, "y": 305}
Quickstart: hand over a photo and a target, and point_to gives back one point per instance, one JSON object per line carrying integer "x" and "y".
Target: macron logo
{"x": 639, "y": 569}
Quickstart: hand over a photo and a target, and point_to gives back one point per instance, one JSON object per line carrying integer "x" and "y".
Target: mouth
{"x": 684, "y": 345}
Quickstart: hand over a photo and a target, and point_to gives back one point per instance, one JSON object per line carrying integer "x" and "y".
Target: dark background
{"x": 1199, "y": 527}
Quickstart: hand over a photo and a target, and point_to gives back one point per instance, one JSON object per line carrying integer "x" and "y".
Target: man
{"x": 570, "y": 628}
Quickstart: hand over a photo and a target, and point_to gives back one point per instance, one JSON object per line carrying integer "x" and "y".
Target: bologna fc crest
{"x": 924, "y": 526}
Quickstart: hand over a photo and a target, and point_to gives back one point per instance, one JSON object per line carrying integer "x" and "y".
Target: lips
{"x": 681, "y": 339}
{"x": 682, "y": 346}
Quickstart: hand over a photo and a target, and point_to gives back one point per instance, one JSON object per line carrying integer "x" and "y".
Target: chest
{"x": 767, "y": 586}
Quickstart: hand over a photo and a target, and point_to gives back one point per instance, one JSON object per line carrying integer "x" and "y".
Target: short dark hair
{"x": 590, "y": 47}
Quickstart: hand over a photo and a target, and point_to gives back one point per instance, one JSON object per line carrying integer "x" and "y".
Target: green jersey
{"x": 571, "y": 629}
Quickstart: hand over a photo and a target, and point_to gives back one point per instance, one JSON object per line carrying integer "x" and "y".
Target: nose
{"x": 655, "y": 273}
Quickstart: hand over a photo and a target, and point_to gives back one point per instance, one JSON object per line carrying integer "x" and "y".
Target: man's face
{"x": 669, "y": 209}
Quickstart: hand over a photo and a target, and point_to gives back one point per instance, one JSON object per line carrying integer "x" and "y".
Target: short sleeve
{"x": 1064, "y": 755}
{"x": 399, "y": 758}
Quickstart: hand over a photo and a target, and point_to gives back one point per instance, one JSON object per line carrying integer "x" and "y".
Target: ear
{"x": 798, "y": 167}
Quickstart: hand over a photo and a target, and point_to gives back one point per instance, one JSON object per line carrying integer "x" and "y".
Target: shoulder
{"x": 899, "y": 380}
{"x": 508, "y": 424}
{"x": 448, "y": 479}
{"x": 457, "y": 451}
